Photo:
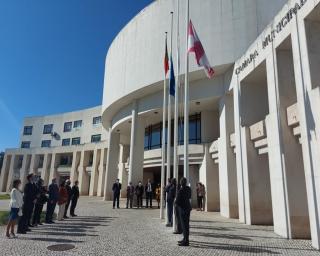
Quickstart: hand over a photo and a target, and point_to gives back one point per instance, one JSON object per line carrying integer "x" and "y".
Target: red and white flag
{"x": 194, "y": 45}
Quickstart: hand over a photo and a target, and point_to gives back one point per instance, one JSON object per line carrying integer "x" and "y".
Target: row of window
{"x": 65, "y": 142}
{"x": 48, "y": 128}
{"x": 153, "y": 133}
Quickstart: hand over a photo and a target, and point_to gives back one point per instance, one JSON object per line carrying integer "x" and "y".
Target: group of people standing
{"x": 138, "y": 191}
{"x": 26, "y": 206}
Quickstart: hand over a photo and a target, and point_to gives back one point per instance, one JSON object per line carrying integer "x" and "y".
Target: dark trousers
{"x": 50, "y": 210}
{"x": 184, "y": 219}
{"x": 30, "y": 213}
{"x": 116, "y": 199}
{"x": 73, "y": 206}
{"x": 139, "y": 201}
{"x": 200, "y": 201}
{"x": 170, "y": 211}
{"x": 66, "y": 208}
{"x": 23, "y": 221}
{"x": 177, "y": 218}
{"x": 37, "y": 213}
{"x": 129, "y": 200}
{"x": 149, "y": 199}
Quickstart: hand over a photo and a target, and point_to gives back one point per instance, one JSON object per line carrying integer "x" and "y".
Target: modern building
{"x": 254, "y": 127}
{"x": 1, "y": 160}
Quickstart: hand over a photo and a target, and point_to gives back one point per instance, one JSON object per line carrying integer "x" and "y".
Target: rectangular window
{"x": 27, "y": 130}
{"x": 77, "y": 124}
{"x": 75, "y": 141}
{"x": 96, "y": 120}
{"x": 65, "y": 142}
{"x": 67, "y": 126}
{"x": 25, "y": 144}
{"x": 46, "y": 143}
{"x": 96, "y": 138}
{"x": 47, "y": 128}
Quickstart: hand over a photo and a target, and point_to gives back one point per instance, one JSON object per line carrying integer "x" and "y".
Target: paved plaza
{"x": 100, "y": 230}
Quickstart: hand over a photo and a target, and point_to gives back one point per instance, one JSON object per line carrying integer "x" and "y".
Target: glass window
{"x": 47, "y": 128}
{"x": 96, "y": 138}
{"x": 75, "y": 141}
{"x": 155, "y": 136}
{"x": 67, "y": 127}
{"x": 96, "y": 120}
{"x": 65, "y": 142}
{"x": 147, "y": 138}
{"x": 25, "y": 144}
{"x": 45, "y": 143}
{"x": 27, "y": 130}
{"x": 41, "y": 159}
{"x": 77, "y": 124}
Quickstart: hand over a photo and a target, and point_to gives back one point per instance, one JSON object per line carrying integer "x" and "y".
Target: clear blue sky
{"x": 52, "y": 56}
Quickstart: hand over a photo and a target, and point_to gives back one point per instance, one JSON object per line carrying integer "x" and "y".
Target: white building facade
{"x": 254, "y": 127}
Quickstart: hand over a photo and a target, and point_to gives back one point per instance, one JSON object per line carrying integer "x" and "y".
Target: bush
{"x": 4, "y": 196}
{"x": 5, "y": 214}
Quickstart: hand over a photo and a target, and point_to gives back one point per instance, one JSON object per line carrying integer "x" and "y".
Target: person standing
{"x": 52, "y": 200}
{"x": 200, "y": 195}
{"x": 68, "y": 187}
{"x": 130, "y": 195}
{"x": 139, "y": 193}
{"x": 16, "y": 203}
{"x": 184, "y": 205}
{"x": 41, "y": 200}
{"x": 171, "y": 195}
{"x": 74, "y": 198}
{"x": 116, "y": 188}
{"x": 149, "y": 193}
{"x": 158, "y": 195}
{"x": 27, "y": 208}
{"x": 63, "y": 198}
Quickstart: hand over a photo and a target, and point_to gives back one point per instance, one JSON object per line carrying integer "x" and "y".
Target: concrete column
{"x": 34, "y": 164}
{"x": 123, "y": 173}
{"x": 227, "y": 161}
{"x": 209, "y": 176}
{"x": 24, "y": 171}
{"x": 83, "y": 174}
{"x": 102, "y": 171}
{"x": 46, "y": 169}
{"x": 112, "y": 163}
{"x": 12, "y": 168}
{"x": 194, "y": 178}
{"x": 94, "y": 172}
{"x": 5, "y": 172}
{"x": 53, "y": 168}
{"x": 74, "y": 167}
{"x": 309, "y": 140}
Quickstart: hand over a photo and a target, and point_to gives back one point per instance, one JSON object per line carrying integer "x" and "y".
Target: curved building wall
{"x": 135, "y": 58}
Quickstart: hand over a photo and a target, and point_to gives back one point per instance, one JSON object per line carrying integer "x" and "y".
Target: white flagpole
{"x": 169, "y": 119}
{"x": 176, "y": 116}
{"x": 186, "y": 104}
{"x": 163, "y": 146}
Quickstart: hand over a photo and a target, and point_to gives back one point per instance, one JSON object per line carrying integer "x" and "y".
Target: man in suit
{"x": 74, "y": 198}
{"x": 139, "y": 193}
{"x": 41, "y": 200}
{"x": 52, "y": 200}
{"x": 171, "y": 195}
{"x": 116, "y": 188}
{"x": 29, "y": 200}
{"x": 149, "y": 193}
{"x": 184, "y": 206}
{"x": 68, "y": 188}
{"x": 130, "y": 194}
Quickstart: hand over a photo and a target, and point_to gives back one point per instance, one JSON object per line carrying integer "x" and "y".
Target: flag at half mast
{"x": 194, "y": 45}
{"x": 172, "y": 84}
{"x": 166, "y": 60}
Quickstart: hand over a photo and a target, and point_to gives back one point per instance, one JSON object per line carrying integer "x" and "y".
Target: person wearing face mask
{"x": 74, "y": 198}
{"x": 149, "y": 193}
{"x": 15, "y": 208}
{"x": 52, "y": 200}
{"x": 28, "y": 204}
{"x": 139, "y": 192}
{"x": 116, "y": 188}
{"x": 130, "y": 194}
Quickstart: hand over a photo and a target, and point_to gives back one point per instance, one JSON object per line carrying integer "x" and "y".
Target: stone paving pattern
{"x": 100, "y": 230}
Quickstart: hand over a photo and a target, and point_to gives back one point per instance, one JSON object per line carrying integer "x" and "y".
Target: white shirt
{"x": 16, "y": 198}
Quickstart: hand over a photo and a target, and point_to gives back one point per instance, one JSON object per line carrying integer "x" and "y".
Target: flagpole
{"x": 176, "y": 116}
{"x": 163, "y": 146}
{"x": 186, "y": 104}
{"x": 169, "y": 121}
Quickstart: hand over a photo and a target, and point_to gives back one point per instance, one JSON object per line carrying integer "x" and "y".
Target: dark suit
{"x": 184, "y": 208}
{"x": 52, "y": 201}
{"x": 171, "y": 194}
{"x": 68, "y": 188}
{"x": 74, "y": 198}
{"x": 41, "y": 200}
{"x": 116, "y": 188}
{"x": 149, "y": 194}
{"x": 139, "y": 193}
{"x": 27, "y": 208}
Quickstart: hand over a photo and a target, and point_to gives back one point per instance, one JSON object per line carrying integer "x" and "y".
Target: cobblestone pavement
{"x": 100, "y": 230}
